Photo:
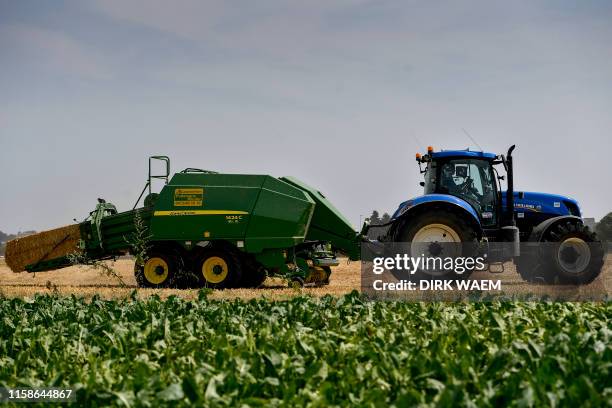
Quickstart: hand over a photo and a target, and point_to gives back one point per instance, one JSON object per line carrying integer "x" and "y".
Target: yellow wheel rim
{"x": 156, "y": 270}
{"x": 215, "y": 269}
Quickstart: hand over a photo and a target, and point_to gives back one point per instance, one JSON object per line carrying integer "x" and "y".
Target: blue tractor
{"x": 463, "y": 202}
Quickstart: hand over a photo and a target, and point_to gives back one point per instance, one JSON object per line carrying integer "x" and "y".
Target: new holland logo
{"x": 530, "y": 207}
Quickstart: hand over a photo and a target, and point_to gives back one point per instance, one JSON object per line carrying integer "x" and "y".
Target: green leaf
{"x": 173, "y": 392}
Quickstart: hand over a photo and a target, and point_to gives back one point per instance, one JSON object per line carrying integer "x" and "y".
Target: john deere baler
{"x": 221, "y": 230}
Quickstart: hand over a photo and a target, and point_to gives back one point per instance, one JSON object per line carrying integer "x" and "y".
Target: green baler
{"x": 223, "y": 230}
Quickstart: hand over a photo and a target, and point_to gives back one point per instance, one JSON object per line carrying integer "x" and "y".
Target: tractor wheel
{"x": 218, "y": 269}
{"x": 437, "y": 234}
{"x": 160, "y": 270}
{"x": 570, "y": 254}
{"x": 530, "y": 268}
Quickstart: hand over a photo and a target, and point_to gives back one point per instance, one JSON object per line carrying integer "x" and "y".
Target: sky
{"x": 340, "y": 94}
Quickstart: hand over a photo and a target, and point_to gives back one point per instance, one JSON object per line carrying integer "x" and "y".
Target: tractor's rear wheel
{"x": 437, "y": 234}
{"x": 570, "y": 254}
{"x": 218, "y": 269}
{"x": 160, "y": 270}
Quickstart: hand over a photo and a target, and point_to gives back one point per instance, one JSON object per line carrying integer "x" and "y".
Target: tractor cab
{"x": 467, "y": 175}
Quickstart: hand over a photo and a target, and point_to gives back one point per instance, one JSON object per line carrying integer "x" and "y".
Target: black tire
{"x": 468, "y": 237}
{"x": 530, "y": 267}
{"x": 253, "y": 275}
{"x": 218, "y": 269}
{"x": 160, "y": 270}
{"x": 554, "y": 261}
{"x": 328, "y": 271}
{"x": 318, "y": 276}
{"x": 296, "y": 282}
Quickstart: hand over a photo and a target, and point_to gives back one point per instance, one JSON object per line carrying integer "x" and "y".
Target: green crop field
{"x": 327, "y": 351}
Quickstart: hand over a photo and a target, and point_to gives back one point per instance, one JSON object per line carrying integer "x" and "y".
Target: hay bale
{"x": 43, "y": 246}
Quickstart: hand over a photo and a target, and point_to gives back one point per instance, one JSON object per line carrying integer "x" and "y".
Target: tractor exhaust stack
{"x": 510, "y": 192}
{"x": 510, "y": 230}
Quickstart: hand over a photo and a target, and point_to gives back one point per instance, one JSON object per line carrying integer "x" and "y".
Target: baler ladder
{"x": 164, "y": 177}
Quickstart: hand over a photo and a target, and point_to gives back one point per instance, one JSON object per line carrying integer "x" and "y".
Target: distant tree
{"x": 374, "y": 218}
{"x": 385, "y": 218}
{"x": 3, "y": 237}
{"x": 604, "y": 228}
{"x": 2, "y": 249}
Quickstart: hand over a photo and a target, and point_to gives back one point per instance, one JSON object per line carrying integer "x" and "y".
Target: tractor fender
{"x": 416, "y": 206}
{"x": 539, "y": 231}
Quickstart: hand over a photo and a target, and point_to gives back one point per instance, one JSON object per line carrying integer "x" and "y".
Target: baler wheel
{"x": 218, "y": 269}
{"x": 328, "y": 272}
{"x": 253, "y": 275}
{"x": 296, "y": 282}
{"x": 318, "y": 276}
{"x": 159, "y": 271}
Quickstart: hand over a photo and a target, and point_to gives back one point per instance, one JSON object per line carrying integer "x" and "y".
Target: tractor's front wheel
{"x": 569, "y": 254}
{"x": 158, "y": 271}
{"x": 437, "y": 235}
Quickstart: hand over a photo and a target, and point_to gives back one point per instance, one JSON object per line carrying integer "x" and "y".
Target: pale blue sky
{"x": 340, "y": 94}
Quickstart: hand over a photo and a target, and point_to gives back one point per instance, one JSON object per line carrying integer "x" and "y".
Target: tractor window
{"x": 476, "y": 176}
{"x": 472, "y": 181}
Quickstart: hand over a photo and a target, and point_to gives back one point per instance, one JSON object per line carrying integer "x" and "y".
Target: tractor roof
{"x": 463, "y": 154}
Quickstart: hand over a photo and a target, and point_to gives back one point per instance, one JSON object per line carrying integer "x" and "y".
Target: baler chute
{"x": 328, "y": 224}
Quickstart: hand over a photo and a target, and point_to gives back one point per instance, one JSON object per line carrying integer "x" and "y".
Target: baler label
{"x": 188, "y": 197}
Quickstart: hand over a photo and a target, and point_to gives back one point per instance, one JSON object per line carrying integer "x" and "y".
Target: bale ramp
{"x": 43, "y": 246}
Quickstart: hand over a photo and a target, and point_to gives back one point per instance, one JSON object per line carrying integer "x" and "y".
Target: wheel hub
{"x": 574, "y": 255}
{"x": 156, "y": 270}
{"x": 569, "y": 255}
{"x": 435, "y": 249}
{"x": 433, "y": 240}
{"x": 215, "y": 269}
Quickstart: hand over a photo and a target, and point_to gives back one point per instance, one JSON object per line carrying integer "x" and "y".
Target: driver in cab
{"x": 448, "y": 183}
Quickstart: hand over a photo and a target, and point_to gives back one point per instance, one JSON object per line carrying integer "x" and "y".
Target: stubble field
{"x": 87, "y": 282}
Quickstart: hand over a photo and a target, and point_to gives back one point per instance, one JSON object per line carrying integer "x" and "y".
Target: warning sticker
{"x": 188, "y": 197}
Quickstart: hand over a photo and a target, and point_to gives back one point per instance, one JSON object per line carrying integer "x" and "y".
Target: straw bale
{"x": 43, "y": 246}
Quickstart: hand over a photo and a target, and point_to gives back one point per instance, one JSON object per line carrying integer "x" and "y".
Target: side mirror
{"x": 422, "y": 184}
